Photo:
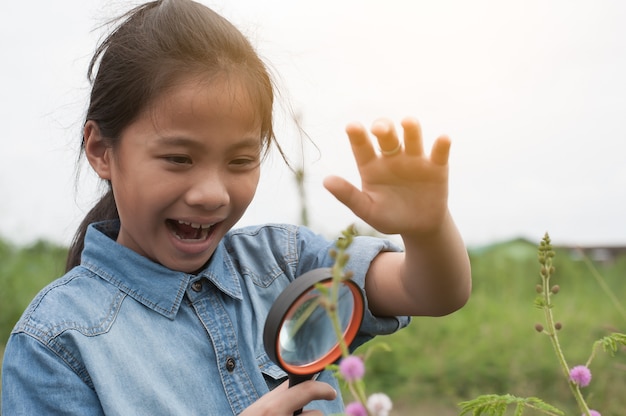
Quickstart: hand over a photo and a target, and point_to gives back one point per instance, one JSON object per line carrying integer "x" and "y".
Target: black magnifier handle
{"x": 295, "y": 379}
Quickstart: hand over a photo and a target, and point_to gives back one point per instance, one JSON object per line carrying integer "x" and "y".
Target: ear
{"x": 97, "y": 150}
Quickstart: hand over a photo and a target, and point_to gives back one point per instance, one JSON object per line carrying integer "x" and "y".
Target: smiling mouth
{"x": 188, "y": 231}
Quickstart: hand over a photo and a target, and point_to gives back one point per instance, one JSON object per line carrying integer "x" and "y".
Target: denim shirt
{"x": 122, "y": 335}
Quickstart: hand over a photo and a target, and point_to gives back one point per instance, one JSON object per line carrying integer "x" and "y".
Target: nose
{"x": 208, "y": 191}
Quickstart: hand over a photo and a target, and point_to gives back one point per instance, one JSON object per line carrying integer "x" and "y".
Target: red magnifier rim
{"x": 334, "y": 353}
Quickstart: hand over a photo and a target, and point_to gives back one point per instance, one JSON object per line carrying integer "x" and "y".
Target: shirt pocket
{"x": 264, "y": 277}
{"x": 272, "y": 373}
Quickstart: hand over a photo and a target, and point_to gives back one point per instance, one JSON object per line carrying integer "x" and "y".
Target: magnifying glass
{"x": 299, "y": 335}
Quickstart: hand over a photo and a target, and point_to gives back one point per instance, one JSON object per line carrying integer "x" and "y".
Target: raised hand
{"x": 403, "y": 190}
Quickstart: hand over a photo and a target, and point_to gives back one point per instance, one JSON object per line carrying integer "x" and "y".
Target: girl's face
{"x": 185, "y": 171}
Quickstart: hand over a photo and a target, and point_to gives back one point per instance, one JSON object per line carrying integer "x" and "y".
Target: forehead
{"x": 219, "y": 98}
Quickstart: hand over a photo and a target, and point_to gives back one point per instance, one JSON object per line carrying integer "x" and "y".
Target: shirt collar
{"x": 150, "y": 283}
{"x": 221, "y": 272}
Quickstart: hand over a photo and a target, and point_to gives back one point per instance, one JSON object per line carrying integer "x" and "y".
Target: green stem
{"x": 595, "y": 347}
{"x": 337, "y": 327}
{"x": 547, "y": 309}
{"x": 303, "y": 317}
{"x": 337, "y": 272}
{"x": 357, "y": 389}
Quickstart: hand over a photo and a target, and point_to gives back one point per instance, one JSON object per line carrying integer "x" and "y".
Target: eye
{"x": 178, "y": 159}
{"x": 244, "y": 162}
{"x": 241, "y": 162}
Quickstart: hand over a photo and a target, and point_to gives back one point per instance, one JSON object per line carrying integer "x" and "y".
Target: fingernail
{"x": 380, "y": 127}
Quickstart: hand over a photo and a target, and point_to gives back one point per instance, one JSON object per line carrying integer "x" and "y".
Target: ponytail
{"x": 105, "y": 209}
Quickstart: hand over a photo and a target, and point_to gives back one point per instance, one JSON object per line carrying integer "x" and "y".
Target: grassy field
{"x": 490, "y": 346}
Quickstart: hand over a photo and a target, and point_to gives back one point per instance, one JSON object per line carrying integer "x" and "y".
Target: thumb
{"x": 347, "y": 194}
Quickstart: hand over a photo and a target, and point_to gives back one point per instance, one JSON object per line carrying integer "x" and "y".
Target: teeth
{"x": 195, "y": 225}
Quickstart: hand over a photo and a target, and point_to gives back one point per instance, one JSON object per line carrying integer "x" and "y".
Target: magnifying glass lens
{"x": 307, "y": 333}
{"x": 299, "y": 334}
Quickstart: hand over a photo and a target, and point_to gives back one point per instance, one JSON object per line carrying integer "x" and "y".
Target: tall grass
{"x": 489, "y": 346}
{"x": 23, "y": 272}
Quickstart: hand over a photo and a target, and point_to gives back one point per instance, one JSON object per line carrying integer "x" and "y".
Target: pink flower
{"x": 580, "y": 375}
{"x": 379, "y": 404}
{"x": 594, "y": 413}
{"x": 355, "y": 409}
{"x": 352, "y": 368}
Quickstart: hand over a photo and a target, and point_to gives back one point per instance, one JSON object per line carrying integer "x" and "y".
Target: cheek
{"x": 244, "y": 190}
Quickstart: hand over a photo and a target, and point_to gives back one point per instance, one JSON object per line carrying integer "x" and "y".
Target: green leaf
{"x": 540, "y": 302}
{"x": 496, "y": 405}
{"x": 610, "y": 343}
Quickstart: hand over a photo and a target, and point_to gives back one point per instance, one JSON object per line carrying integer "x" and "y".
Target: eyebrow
{"x": 249, "y": 142}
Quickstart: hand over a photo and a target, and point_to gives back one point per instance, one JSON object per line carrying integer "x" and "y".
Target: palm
{"x": 404, "y": 192}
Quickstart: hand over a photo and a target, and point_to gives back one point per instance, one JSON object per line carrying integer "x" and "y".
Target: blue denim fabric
{"x": 122, "y": 335}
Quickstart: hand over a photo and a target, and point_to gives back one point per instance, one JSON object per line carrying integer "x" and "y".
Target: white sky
{"x": 532, "y": 93}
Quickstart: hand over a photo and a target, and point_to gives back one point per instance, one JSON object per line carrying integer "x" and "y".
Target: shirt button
{"x": 230, "y": 364}
{"x": 196, "y": 286}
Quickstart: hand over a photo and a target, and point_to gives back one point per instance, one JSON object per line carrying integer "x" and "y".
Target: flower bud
{"x": 352, "y": 368}
{"x": 538, "y": 327}
{"x": 538, "y": 288}
{"x": 555, "y": 289}
{"x": 580, "y": 375}
{"x": 558, "y": 326}
{"x": 356, "y": 409}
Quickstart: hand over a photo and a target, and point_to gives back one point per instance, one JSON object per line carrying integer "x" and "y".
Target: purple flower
{"x": 580, "y": 375}
{"x": 355, "y": 409}
{"x": 594, "y": 413}
{"x": 352, "y": 368}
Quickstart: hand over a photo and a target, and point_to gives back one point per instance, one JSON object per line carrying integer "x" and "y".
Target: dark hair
{"x": 153, "y": 46}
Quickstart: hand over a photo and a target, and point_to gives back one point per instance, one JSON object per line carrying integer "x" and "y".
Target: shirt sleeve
{"x": 362, "y": 251}
{"x": 36, "y": 381}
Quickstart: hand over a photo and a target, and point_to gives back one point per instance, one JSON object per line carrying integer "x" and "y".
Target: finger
{"x": 347, "y": 194}
{"x": 308, "y": 391}
{"x": 282, "y": 386}
{"x": 387, "y": 137}
{"x": 440, "y": 152}
{"x": 413, "y": 145}
{"x": 284, "y": 401}
{"x": 362, "y": 147}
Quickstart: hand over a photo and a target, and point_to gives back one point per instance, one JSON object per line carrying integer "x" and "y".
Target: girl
{"x": 162, "y": 308}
